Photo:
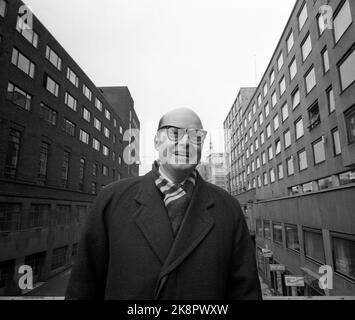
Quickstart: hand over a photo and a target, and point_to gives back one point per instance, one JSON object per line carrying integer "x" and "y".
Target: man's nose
{"x": 185, "y": 139}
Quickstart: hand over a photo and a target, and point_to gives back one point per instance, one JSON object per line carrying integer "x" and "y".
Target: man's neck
{"x": 175, "y": 178}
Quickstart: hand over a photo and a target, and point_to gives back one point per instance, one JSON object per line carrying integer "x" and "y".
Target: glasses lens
{"x": 196, "y": 136}
{"x": 174, "y": 134}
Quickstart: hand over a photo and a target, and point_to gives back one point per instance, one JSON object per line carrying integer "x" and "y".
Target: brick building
{"x": 292, "y": 151}
{"x": 61, "y": 141}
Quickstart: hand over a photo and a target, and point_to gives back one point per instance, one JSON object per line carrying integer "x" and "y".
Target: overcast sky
{"x": 170, "y": 53}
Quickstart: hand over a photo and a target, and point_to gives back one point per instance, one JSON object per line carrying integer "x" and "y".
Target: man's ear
{"x": 156, "y": 142}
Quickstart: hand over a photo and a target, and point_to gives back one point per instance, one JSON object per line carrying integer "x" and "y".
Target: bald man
{"x": 168, "y": 235}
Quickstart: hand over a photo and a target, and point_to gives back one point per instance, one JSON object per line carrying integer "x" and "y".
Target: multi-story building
{"x": 61, "y": 141}
{"x": 295, "y": 151}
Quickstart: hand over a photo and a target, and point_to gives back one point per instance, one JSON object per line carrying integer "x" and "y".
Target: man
{"x": 169, "y": 234}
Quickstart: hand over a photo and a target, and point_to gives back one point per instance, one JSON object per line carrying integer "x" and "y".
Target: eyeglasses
{"x": 196, "y": 136}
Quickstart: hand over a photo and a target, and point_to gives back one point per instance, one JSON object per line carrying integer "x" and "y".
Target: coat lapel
{"x": 196, "y": 225}
{"x": 153, "y": 219}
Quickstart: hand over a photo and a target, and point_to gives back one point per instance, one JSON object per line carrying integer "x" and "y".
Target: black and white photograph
{"x": 177, "y": 150}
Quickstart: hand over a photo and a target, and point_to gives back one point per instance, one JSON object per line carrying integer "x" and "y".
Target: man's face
{"x": 180, "y": 142}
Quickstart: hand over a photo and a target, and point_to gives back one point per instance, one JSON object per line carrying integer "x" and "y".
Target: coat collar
{"x": 154, "y": 222}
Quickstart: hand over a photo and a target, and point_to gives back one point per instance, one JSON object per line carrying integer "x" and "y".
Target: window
{"x": 38, "y": 216}
{"x": 268, "y": 131}
{"x": 3, "y": 5}
{"x": 290, "y": 167}
{"x": 10, "y": 217}
{"x": 270, "y": 153}
{"x": 261, "y": 120}
{"x": 272, "y": 175}
{"x": 254, "y": 108}
{"x": 43, "y": 162}
{"x": 299, "y": 128}
{"x": 59, "y": 257}
{"x": 95, "y": 169}
{"x": 29, "y": 34}
{"x": 249, "y": 116}
{"x": 278, "y": 147}
{"x": 280, "y": 171}
{"x": 87, "y": 92}
{"x": 313, "y": 245}
{"x": 287, "y": 139}
{"x": 292, "y": 241}
{"x": 98, "y": 104}
{"x": 48, "y": 114}
{"x": 259, "y": 229}
{"x": 280, "y": 61}
{"x": 330, "y": 99}
{"x": 265, "y": 92}
{"x": 86, "y": 114}
{"x": 69, "y": 127}
{"x": 307, "y": 187}
{"x": 267, "y": 110}
{"x": 70, "y": 101}
{"x": 267, "y": 229}
{"x": 314, "y": 117}
{"x": 302, "y": 160}
{"x": 105, "y": 151}
{"x": 84, "y": 136}
{"x": 263, "y": 158}
{"x": 296, "y": 99}
{"x": 347, "y": 69}
{"x": 342, "y": 20}
{"x": 257, "y": 162}
{"x": 72, "y": 77}
{"x": 321, "y": 24}
{"x": 284, "y": 112}
{"x": 104, "y": 170}
{"x": 115, "y": 123}
{"x": 273, "y": 99}
{"x": 336, "y": 142}
{"x": 53, "y": 58}
{"x": 302, "y": 17}
{"x": 256, "y": 144}
{"x": 93, "y": 188}
{"x": 96, "y": 144}
{"x": 277, "y": 232}
{"x": 262, "y": 137}
{"x": 65, "y": 169}
{"x": 325, "y": 58}
{"x": 306, "y": 47}
{"x": 282, "y": 86}
{"x": 23, "y": 63}
{"x": 107, "y": 114}
{"x": 325, "y": 183}
{"x": 13, "y": 151}
{"x": 293, "y": 69}
{"x": 347, "y": 178}
{"x": 265, "y": 178}
{"x": 290, "y": 42}
{"x": 272, "y": 77}
{"x": 81, "y": 174}
{"x": 276, "y": 122}
{"x": 259, "y": 181}
{"x": 350, "y": 124}
{"x": 19, "y": 97}
{"x": 310, "y": 79}
{"x": 318, "y": 151}
{"x": 97, "y": 124}
{"x": 259, "y": 99}
{"x": 344, "y": 255}
{"x": 51, "y": 86}
{"x": 107, "y": 133}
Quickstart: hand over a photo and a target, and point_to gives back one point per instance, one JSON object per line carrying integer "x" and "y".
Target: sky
{"x": 170, "y": 53}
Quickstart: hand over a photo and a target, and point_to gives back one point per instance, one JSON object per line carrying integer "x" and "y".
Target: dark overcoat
{"x": 127, "y": 249}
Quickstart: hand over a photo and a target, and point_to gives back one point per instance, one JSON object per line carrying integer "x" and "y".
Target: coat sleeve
{"x": 244, "y": 281}
{"x": 88, "y": 275}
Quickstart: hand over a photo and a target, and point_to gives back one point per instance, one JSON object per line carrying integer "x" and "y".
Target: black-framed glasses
{"x": 196, "y": 136}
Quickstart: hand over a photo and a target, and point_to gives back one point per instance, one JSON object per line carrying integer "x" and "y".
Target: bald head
{"x": 181, "y": 118}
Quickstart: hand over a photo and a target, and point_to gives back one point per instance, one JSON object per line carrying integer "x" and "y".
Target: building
{"x": 61, "y": 141}
{"x": 217, "y": 169}
{"x": 293, "y": 152}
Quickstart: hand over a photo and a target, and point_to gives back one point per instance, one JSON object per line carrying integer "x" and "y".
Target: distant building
{"x": 217, "y": 170}
{"x": 292, "y": 152}
{"x": 61, "y": 141}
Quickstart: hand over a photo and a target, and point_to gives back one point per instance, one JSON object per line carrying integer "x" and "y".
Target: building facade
{"x": 294, "y": 152}
{"x": 61, "y": 141}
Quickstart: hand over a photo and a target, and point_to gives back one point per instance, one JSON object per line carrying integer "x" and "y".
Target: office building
{"x": 61, "y": 141}
{"x": 293, "y": 152}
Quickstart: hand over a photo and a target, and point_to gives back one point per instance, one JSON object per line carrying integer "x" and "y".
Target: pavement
{"x": 54, "y": 287}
